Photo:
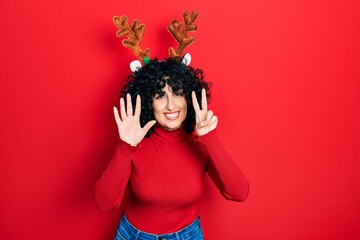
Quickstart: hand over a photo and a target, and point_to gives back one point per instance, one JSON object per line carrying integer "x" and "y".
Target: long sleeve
{"x": 110, "y": 187}
{"x": 224, "y": 172}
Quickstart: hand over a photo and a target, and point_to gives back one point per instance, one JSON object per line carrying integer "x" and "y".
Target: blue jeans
{"x": 126, "y": 231}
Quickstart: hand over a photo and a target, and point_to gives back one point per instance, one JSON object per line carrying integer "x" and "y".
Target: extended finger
{"x": 203, "y": 100}
{"x": 122, "y": 109}
{"x": 138, "y": 106}
{"x": 195, "y": 102}
{"x": 148, "y": 125}
{"x": 129, "y": 109}
{"x": 117, "y": 117}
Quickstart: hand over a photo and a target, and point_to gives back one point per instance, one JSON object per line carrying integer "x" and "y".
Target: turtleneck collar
{"x": 168, "y": 136}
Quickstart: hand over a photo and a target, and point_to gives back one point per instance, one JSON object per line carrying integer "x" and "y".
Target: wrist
{"x": 131, "y": 143}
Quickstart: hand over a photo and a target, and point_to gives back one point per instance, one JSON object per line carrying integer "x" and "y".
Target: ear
{"x": 135, "y": 65}
{"x": 186, "y": 59}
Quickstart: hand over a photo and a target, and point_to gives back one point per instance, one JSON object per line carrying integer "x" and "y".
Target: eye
{"x": 159, "y": 95}
{"x": 179, "y": 93}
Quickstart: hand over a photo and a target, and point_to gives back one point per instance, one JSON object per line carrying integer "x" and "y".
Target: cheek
{"x": 156, "y": 106}
{"x": 184, "y": 105}
{"x": 184, "y": 108}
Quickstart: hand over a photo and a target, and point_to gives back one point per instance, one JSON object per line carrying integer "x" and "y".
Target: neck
{"x": 164, "y": 135}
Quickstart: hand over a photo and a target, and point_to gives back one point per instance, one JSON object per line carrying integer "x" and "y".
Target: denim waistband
{"x": 128, "y": 231}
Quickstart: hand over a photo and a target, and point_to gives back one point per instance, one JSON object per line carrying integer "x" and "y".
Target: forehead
{"x": 167, "y": 88}
{"x": 175, "y": 82}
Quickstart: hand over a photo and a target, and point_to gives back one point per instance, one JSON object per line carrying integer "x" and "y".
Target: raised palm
{"x": 129, "y": 127}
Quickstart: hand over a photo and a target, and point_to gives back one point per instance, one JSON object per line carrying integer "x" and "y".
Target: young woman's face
{"x": 169, "y": 108}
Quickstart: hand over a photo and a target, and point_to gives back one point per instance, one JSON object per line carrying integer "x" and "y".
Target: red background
{"x": 286, "y": 80}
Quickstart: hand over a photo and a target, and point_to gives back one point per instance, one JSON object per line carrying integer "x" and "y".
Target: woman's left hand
{"x": 206, "y": 121}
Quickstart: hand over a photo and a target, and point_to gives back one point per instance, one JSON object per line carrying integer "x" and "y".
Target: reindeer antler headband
{"x": 135, "y": 31}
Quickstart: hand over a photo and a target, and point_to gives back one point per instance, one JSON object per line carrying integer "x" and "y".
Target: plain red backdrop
{"x": 286, "y": 78}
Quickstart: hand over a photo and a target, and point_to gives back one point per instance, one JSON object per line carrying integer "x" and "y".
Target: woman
{"x": 160, "y": 158}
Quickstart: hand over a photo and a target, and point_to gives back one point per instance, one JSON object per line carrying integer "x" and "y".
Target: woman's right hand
{"x": 129, "y": 127}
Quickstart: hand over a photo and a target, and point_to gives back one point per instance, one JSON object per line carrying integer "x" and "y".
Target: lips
{"x": 171, "y": 115}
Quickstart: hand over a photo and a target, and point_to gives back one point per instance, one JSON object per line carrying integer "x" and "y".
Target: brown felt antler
{"x": 134, "y": 33}
{"x": 182, "y": 37}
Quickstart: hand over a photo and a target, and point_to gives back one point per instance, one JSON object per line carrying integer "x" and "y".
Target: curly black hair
{"x": 152, "y": 78}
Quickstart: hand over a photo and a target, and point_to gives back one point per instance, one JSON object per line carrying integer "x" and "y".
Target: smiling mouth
{"x": 172, "y": 115}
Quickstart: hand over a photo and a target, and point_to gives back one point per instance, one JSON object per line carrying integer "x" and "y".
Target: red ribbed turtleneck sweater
{"x": 165, "y": 174}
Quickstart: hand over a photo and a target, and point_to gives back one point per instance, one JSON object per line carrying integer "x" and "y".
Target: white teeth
{"x": 172, "y": 115}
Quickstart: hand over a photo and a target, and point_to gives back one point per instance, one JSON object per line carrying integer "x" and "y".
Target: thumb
{"x": 149, "y": 125}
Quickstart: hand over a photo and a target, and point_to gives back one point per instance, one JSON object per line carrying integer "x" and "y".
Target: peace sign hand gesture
{"x": 129, "y": 127}
{"x": 206, "y": 121}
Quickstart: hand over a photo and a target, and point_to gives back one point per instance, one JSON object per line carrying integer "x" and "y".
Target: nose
{"x": 170, "y": 103}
